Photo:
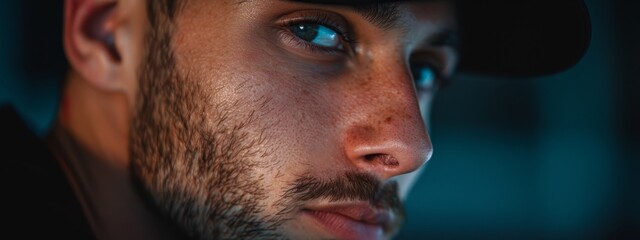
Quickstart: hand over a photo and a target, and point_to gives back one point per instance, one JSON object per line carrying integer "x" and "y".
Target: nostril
{"x": 384, "y": 159}
{"x": 371, "y": 157}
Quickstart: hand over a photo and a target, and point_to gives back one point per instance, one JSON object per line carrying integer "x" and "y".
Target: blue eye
{"x": 425, "y": 77}
{"x": 317, "y": 34}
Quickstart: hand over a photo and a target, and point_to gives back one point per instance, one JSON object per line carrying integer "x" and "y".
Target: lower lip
{"x": 344, "y": 227}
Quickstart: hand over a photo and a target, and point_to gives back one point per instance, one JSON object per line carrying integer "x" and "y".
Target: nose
{"x": 389, "y": 137}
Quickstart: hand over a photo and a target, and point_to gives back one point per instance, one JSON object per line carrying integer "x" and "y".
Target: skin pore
{"x": 253, "y": 119}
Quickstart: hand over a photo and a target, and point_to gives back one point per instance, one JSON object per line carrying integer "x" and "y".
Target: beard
{"x": 198, "y": 163}
{"x": 198, "y": 176}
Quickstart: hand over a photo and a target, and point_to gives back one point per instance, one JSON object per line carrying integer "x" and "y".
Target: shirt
{"x": 38, "y": 201}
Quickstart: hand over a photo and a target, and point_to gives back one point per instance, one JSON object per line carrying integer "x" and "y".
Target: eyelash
{"x": 345, "y": 36}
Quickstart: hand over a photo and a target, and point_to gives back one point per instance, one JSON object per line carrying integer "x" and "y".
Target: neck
{"x": 90, "y": 140}
{"x": 109, "y": 196}
{"x": 97, "y": 118}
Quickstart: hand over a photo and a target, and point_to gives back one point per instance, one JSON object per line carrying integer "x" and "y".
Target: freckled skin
{"x": 283, "y": 113}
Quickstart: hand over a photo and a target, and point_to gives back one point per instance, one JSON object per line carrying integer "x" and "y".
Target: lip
{"x": 352, "y": 221}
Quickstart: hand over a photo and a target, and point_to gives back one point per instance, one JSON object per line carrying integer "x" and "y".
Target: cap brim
{"x": 516, "y": 38}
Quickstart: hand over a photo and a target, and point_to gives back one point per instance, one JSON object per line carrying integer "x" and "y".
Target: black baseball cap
{"x": 515, "y": 38}
{"x": 508, "y": 38}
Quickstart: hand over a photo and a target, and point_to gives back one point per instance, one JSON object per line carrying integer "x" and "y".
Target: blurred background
{"x": 556, "y": 157}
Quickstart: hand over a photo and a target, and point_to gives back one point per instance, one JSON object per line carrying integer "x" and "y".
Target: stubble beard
{"x": 192, "y": 159}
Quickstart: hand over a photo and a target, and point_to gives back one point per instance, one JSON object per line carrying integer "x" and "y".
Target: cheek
{"x": 294, "y": 114}
{"x": 285, "y": 107}
{"x": 283, "y": 97}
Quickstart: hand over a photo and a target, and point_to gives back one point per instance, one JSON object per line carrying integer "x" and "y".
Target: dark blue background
{"x": 549, "y": 158}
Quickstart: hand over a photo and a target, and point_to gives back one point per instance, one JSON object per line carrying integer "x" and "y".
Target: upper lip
{"x": 361, "y": 212}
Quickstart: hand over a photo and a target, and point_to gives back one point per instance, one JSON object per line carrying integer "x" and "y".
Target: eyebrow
{"x": 383, "y": 15}
{"x": 387, "y": 16}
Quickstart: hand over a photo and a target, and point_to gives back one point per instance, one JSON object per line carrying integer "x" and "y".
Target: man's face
{"x": 276, "y": 119}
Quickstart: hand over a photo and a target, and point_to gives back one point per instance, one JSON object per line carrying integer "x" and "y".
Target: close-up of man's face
{"x": 281, "y": 119}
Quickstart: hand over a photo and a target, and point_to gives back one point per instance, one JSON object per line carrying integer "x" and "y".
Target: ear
{"x": 89, "y": 42}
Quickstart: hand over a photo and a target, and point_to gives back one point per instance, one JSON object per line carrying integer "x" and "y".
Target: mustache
{"x": 352, "y": 186}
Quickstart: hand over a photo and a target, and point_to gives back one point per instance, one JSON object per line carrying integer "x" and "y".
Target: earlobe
{"x": 89, "y": 42}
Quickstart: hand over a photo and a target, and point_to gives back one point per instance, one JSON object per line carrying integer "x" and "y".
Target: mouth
{"x": 352, "y": 221}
